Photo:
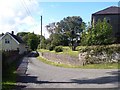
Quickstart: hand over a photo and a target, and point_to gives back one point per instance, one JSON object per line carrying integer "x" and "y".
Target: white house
{"x": 9, "y": 41}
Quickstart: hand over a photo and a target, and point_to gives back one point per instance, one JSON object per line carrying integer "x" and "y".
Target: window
{"x": 108, "y": 19}
{"x": 7, "y": 41}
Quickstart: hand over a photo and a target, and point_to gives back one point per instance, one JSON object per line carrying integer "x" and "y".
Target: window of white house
{"x": 7, "y": 41}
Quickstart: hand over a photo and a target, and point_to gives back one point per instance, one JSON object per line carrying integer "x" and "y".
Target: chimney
{"x": 12, "y": 32}
{"x": 2, "y": 34}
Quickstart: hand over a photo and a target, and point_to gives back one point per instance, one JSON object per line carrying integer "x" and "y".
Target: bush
{"x": 50, "y": 47}
{"x": 100, "y": 34}
{"x": 58, "y": 49}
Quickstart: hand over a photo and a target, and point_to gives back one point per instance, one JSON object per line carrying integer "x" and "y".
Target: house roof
{"x": 0, "y": 35}
{"x": 16, "y": 38}
{"x": 109, "y": 10}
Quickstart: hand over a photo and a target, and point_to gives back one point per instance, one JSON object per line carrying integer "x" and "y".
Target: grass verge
{"x": 9, "y": 76}
{"x": 90, "y": 66}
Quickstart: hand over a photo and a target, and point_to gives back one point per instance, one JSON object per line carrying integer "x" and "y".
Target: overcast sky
{"x": 24, "y": 15}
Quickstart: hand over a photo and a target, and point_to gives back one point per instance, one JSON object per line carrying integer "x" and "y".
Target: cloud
{"x": 28, "y": 20}
{"x": 19, "y": 15}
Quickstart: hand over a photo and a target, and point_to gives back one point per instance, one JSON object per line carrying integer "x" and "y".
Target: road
{"x": 36, "y": 74}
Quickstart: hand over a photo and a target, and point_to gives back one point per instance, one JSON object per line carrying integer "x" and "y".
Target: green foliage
{"x": 9, "y": 76}
{"x": 58, "y": 49}
{"x": 99, "y": 48}
{"x": 31, "y": 39}
{"x": 71, "y": 27}
{"x": 22, "y": 33}
{"x": 66, "y": 32}
{"x": 100, "y": 34}
{"x": 50, "y": 47}
{"x": 56, "y": 39}
{"x": 66, "y": 51}
{"x": 43, "y": 43}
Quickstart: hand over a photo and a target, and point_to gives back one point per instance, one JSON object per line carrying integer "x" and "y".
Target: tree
{"x": 24, "y": 36}
{"x": 56, "y": 39}
{"x": 69, "y": 28}
{"x": 100, "y": 34}
{"x": 21, "y": 34}
{"x": 51, "y": 28}
{"x": 43, "y": 42}
{"x": 31, "y": 39}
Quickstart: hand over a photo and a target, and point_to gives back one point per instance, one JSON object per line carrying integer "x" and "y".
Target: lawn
{"x": 66, "y": 50}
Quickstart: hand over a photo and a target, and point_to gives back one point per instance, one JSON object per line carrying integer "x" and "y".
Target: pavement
{"x": 35, "y": 74}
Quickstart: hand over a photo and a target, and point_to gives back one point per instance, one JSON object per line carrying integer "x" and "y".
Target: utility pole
{"x": 41, "y": 25}
{"x": 41, "y": 34}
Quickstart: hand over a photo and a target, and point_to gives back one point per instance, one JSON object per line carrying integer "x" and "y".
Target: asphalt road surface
{"x": 36, "y": 74}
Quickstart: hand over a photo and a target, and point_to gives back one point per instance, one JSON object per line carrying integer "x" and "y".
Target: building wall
{"x": 12, "y": 45}
{"x": 114, "y": 20}
{"x": 22, "y": 48}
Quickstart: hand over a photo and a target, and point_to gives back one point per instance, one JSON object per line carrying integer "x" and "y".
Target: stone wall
{"x": 83, "y": 58}
{"x": 100, "y": 57}
{"x": 61, "y": 58}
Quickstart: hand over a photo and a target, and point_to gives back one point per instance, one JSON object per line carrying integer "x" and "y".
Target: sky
{"x": 24, "y": 15}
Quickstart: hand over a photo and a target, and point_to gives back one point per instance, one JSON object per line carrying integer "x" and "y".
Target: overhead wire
{"x": 27, "y": 11}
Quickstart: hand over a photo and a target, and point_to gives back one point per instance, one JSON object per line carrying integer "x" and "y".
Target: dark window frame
{"x": 7, "y": 41}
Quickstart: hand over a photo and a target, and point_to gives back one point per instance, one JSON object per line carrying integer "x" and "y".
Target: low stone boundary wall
{"x": 61, "y": 58}
{"x": 83, "y": 58}
{"x": 102, "y": 57}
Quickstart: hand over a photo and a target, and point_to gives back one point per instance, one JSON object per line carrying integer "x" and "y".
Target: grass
{"x": 66, "y": 51}
{"x": 55, "y": 63}
{"x": 90, "y": 66}
{"x": 103, "y": 66}
{"x": 9, "y": 76}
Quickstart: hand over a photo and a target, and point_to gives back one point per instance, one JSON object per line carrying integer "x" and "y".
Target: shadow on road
{"x": 112, "y": 78}
{"x": 22, "y": 66}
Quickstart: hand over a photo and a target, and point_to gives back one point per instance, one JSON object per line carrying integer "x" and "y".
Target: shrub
{"x": 100, "y": 34}
{"x": 58, "y": 49}
{"x": 50, "y": 47}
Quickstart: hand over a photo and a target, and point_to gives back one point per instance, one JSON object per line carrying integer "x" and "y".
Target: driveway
{"x": 36, "y": 74}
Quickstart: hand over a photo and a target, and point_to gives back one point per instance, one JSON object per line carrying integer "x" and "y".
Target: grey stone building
{"x": 112, "y": 15}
